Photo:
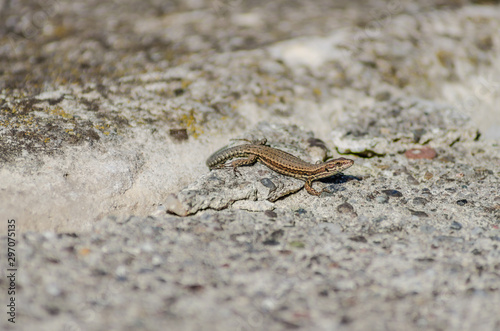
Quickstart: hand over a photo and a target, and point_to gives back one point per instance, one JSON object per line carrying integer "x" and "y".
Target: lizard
{"x": 279, "y": 161}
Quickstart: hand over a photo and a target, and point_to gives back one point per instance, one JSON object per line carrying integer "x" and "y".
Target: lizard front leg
{"x": 309, "y": 188}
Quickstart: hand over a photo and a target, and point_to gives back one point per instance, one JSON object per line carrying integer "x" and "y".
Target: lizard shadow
{"x": 339, "y": 179}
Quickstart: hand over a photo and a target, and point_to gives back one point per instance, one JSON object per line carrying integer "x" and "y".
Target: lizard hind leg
{"x": 251, "y": 159}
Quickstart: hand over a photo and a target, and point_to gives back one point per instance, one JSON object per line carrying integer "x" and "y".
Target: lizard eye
{"x": 329, "y": 167}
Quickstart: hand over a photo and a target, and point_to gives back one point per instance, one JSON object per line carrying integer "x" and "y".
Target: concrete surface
{"x": 108, "y": 111}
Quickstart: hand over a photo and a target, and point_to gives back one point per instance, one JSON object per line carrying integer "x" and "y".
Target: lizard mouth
{"x": 347, "y": 162}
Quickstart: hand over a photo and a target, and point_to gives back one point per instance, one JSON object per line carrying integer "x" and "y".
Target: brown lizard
{"x": 279, "y": 161}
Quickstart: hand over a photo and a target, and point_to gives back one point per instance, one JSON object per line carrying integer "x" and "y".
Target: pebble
{"x": 462, "y": 202}
{"x": 271, "y": 214}
{"x": 345, "y": 208}
{"x": 419, "y": 201}
{"x": 270, "y": 242}
{"x": 418, "y": 213}
{"x": 359, "y": 239}
{"x": 268, "y": 183}
{"x": 455, "y": 226}
{"x": 476, "y": 251}
{"x": 393, "y": 193}
{"x": 411, "y": 180}
{"x": 300, "y": 211}
{"x": 421, "y": 153}
{"x": 179, "y": 134}
{"x": 428, "y": 175}
{"x": 417, "y": 134}
{"x": 315, "y": 142}
{"x": 175, "y": 206}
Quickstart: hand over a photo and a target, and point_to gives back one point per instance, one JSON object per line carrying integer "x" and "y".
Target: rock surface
{"x": 108, "y": 111}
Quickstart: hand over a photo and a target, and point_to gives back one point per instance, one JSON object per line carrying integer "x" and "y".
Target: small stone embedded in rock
{"x": 462, "y": 202}
{"x": 346, "y": 208}
{"x": 421, "y": 153}
{"x": 455, "y": 226}
{"x": 418, "y": 213}
{"x": 411, "y": 180}
{"x": 315, "y": 142}
{"x": 179, "y": 134}
{"x": 428, "y": 175}
{"x": 270, "y": 242}
{"x": 194, "y": 287}
{"x": 418, "y": 201}
{"x": 417, "y": 134}
{"x": 271, "y": 214}
{"x": 300, "y": 211}
{"x": 175, "y": 206}
{"x": 277, "y": 234}
{"x": 393, "y": 193}
{"x": 476, "y": 251}
{"x": 268, "y": 183}
{"x": 359, "y": 239}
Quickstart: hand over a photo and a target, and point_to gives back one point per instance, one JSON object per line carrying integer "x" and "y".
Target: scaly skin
{"x": 279, "y": 161}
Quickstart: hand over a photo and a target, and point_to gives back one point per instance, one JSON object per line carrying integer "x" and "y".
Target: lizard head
{"x": 337, "y": 165}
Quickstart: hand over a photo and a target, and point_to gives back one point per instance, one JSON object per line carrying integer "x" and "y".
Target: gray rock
{"x": 108, "y": 114}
